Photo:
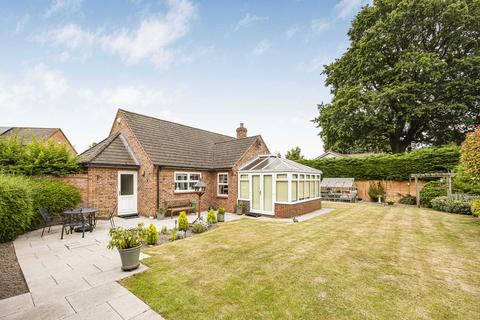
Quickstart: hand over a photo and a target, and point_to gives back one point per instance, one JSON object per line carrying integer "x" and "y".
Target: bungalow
{"x": 146, "y": 162}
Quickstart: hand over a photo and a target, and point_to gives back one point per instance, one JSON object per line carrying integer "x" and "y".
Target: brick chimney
{"x": 241, "y": 131}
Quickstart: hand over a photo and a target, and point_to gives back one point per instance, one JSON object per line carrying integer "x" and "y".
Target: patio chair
{"x": 47, "y": 220}
{"x": 112, "y": 216}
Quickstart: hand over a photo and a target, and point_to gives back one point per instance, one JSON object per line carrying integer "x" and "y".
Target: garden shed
{"x": 276, "y": 186}
{"x": 339, "y": 189}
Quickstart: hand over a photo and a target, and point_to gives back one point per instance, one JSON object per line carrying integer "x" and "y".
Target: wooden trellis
{"x": 447, "y": 175}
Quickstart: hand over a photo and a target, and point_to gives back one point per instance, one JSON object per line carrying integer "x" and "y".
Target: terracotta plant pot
{"x": 130, "y": 258}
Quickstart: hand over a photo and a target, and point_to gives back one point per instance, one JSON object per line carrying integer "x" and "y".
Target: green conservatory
{"x": 271, "y": 185}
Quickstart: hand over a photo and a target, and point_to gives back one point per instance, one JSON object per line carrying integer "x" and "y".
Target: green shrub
{"x": 431, "y": 190}
{"x": 211, "y": 218}
{"x": 164, "y": 230}
{"x": 457, "y": 203}
{"x": 126, "y": 238}
{"x": 470, "y": 158}
{"x": 464, "y": 183}
{"x": 183, "y": 221}
{"x": 408, "y": 199}
{"x": 389, "y": 166}
{"x": 173, "y": 235}
{"x": 221, "y": 210}
{"x": 199, "y": 227}
{"x": 475, "y": 208}
{"x": 16, "y": 207}
{"x": 56, "y": 196}
{"x": 376, "y": 190}
{"x": 151, "y": 235}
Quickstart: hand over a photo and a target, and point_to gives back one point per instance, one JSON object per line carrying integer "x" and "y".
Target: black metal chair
{"x": 112, "y": 216}
{"x": 47, "y": 220}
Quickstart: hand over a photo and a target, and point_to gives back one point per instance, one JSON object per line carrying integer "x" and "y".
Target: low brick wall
{"x": 297, "y": 209}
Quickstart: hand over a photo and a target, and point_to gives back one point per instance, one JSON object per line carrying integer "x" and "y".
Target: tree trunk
{"x": 397, "y": 145}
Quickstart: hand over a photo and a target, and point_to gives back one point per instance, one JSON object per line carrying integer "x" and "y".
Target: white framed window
{"x": 222, "y": 184}
{"x": 294, "y": 188}
{"x": 244, "y": 187}
{"x": 184, "y": 181}
{"x": 282, "y": 187}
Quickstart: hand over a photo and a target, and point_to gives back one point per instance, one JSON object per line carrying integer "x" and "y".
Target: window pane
{"x": 244, "y": 190}
{"x": 281, "y": 177}
{"x": 181, "y": 176}
{"x": 244, "y": 177}
{"x": 317, "y": 191}
{"x": 282, "y": 191}
{"x": 302, "y": 176}
{"x": 294, "y": 191}
{"x": 126, "y": 184}
{"x": 223, "y": 189}
{"x": 181, "y": 186}
{"x": 307, "y": 190}
{"x": 222, "y": 178}
{"x": 294, "y": 176}
{"x": 300, "y": 190}
{"x": 312, "y": 189}
{"x": 194, "y": 176}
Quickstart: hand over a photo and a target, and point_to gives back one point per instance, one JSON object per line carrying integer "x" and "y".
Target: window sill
{"x": 183, "y": 192}
{"x": 222, "y": 195}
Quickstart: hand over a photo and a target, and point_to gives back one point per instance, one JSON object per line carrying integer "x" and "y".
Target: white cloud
{"x": 57, "y": 6}
{"x": 248, "y": 20}
{"x": 319, "y": 25}
{"x": 291, "y": 31}
{"x": 152, "y": 40}
{"x": 346, "y": 8}
{"x": 22, "y": 22}
{"x": 317, "y": 63}
{"x": 261, "y": 48}
{"x": 32, "y": 97}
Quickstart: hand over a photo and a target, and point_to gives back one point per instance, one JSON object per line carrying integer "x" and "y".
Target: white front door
{"x": 262, "y": 194}
{"x": 127, "y": 192}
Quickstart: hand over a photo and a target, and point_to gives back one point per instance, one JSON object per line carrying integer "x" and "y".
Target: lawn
{"x": 356, "y": 262}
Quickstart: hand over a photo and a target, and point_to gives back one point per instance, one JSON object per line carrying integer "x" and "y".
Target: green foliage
{"x": 376, "y": 190}
{"x": 16, "y": 207}
{"x": 35, "y": 158}
{"x": 475, "y": 207}
{"x": 408, "y": 199}
{"x": 431, "y": 190}
{"x": 211, "y": 218}
{"x": 164, "y": 230}
{"x": 470, "y": 158}
{"x": 294, "y": 154}
{"x": 409, "y": 76}
{"x": 389, "y": 166}
{"x": 221, "y": 210}
{"x": 199, "y": 227}
{"x": 182, "y": 221}
{"x": 161, "y": 211}
{"x": 173, "y": 236}
{"x": 121, "y": 238}
{"x": 56, "y": 196}
{"x": 457, "y": 203}
{"x": 151, "y": 235}
{"x": 463, "y": 182}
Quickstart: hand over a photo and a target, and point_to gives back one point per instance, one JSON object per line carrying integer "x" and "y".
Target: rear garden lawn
{"x": 359, "y": 261}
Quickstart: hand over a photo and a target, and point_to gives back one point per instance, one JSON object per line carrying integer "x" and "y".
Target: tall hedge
{"x": 389, "y": 166}
{"x": 54, "y": 195}
{"x": 471, "y": 155}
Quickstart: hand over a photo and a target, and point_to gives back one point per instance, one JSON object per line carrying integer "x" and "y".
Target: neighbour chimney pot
{"x": 241, "y": 131}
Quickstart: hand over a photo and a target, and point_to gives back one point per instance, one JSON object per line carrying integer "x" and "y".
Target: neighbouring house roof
{"x": 333, "y": 154}
{"x": 172, "y": 144}
{"x": 338, "y": 183}
{"x": 113, "y": 151}
{"x": 25, "y": 132}
{"x": 272, "y": 163}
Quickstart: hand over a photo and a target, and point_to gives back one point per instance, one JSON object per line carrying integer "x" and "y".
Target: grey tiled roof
{"x": 27, "y": 133}
{"x": 3, "y": 129}
{"x": 111, "y": 151}
{"x": 171, "y": 144}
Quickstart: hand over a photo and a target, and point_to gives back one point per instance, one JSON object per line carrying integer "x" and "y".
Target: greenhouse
{"x": 339, "y": 189}
{"x": 272, "y": 185}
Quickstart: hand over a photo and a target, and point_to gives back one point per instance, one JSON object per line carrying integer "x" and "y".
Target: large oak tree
{"x": 411, "y": 76}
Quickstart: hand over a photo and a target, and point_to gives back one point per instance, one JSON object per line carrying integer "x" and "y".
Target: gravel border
{"x": 12, "y": 282}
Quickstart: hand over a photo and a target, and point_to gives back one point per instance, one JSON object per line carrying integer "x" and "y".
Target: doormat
{"x": 251, "y": 214}
{"x": 129, "y": 216}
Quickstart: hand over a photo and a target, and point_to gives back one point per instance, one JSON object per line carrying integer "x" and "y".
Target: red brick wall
{"x": 79, "y": 181}
{"x": 296, "y": 209}
{"x": 59, "y": 137}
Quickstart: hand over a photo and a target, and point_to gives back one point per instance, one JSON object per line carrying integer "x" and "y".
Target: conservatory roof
{"x": 338, "y": 182}
{"x": 272, "y": 163}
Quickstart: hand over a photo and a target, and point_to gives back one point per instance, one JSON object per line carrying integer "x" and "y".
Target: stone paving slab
{"x": 111, "y": 275}
{"x": 148, "y": 315}
{"x": 128, "y": 306}
{"x": 55, "y": 310}
{"x": 15, "y": 304}
{"x": 87, "y": 299}
{"x": 103, "y": 312}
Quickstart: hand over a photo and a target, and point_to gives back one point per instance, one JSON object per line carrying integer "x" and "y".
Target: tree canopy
{"x": 294, "y": 154}
{"x": 411, "y": 76}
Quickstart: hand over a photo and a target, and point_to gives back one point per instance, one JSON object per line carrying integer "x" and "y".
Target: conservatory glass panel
{"x": 312, "y": 189}
{"x": 282, "y": 190}
{"x": 300, "y": 190}
{"x": 307, "y": 190}
{"x": 267, "y": 193}
{"x": 294, "y": 190}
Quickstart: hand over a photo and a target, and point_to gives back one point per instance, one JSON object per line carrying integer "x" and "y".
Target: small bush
{"x": 56, "y": 196}
{"x": 458, "y": 203}
{"x": 16, "y": 207}
{"x": 126, "y": 238}
{"x": 431, "y": 190}
{"x": 408, "y": 199}
{"x": 151, "y": 235}
{"x": 199, "y": 227}
{"x": 211, "y": 218}
{"x": 221, "y": 210}
{"x": 475, "y": 208}
{"x": 183, "y": 221}
{"x": 173, "y": 235}
{"x": 376, "y": 190}
{"x": 164, "y": 230}
{"x": 470, "y": 155}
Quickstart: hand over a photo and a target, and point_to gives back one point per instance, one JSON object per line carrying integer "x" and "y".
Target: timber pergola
{"x": 447, "y": 175}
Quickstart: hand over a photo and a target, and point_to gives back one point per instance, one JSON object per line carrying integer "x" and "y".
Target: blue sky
{"x": 208, "y": 64}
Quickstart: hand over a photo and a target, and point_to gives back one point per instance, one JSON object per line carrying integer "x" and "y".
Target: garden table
{"x": 79, "y": 220}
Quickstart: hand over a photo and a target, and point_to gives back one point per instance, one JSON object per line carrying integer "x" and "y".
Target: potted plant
{"x": 194, "y": 205}
{"x": 162, "y": 210}
{"x": 128, "y": 243}
{"x": 221, "y": 214}
{"x": 240, "y": 208}
{"x": 390, "y": 201}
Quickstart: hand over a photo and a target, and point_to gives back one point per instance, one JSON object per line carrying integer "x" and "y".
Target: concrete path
{"x": 76, "y": 278}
